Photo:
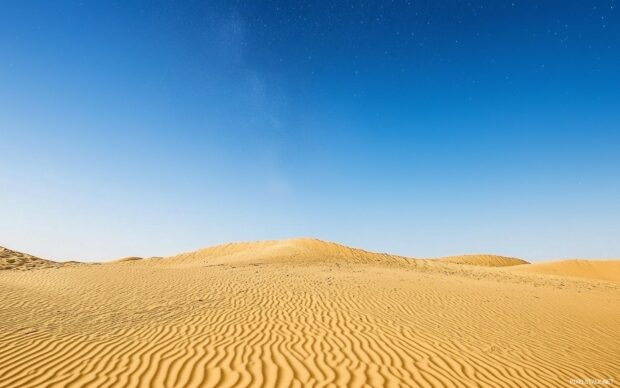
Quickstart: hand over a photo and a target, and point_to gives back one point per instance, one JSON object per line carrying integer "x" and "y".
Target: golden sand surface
{"x": 484, "y": 260}
{"x": 21, "y": 261}
{"x": 306, "y": 313}
{"x": 590, "y": 269}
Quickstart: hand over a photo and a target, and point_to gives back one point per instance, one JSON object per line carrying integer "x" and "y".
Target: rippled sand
{"x": 303, "y": 313}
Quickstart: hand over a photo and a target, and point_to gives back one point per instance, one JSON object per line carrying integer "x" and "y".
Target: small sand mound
{"x": 298, "y": 250}
{"x": 589, "y": 269}
{"x": 10, "y": 259}
{"x": 484, "y": 260}
{"x": 126, "y": 259}
{"x": 73, "y": 263}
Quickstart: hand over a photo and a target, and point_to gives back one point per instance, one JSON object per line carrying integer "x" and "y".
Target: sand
{"x": 10, "y": 259}
{"x": 484, "y": 260}
{"x": 300, "y": 313}
{"x": 589, "y": 269}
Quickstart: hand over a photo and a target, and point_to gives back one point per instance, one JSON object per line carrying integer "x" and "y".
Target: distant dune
{"x": 484, "y": 260}
{"x": 306, "y": 313}
{"x": 297, "y": 250}
{"x": 588, "y": 269}
{"x": 129, "y": 258}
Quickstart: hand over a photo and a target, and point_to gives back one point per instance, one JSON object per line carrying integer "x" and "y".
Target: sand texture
{"x": 590, "y": 269}
{"x": 306, "y": 313}
{"x": 16, "y": 260}
{"x": 484, "y": 260}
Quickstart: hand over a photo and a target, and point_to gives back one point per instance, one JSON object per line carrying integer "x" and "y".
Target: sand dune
{"x": 299, "y": 313}
{"x": 589, "y": 269}
{"x": 297, "y": 250}
{"x": 16, "y": 260}
{"x": 484, "y": 260}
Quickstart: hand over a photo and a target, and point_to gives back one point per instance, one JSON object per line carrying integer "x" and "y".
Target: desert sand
{"x": 10, "y": 259}
{"x": 307, "y": 313}
{"x": 484, "y": 260}
{"x": 590, "y": 269}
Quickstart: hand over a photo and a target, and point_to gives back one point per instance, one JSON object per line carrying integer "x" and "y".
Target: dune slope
{"x": 483, "y": 260}
{"x": 299, "y": 250}
{"x": 327, "y": 316}
{"x": 10, "y": 259}
{"x": 589, "y": 269}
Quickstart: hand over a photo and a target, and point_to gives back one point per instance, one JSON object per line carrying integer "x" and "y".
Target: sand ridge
{"x": 10, "y": 259}
{"x": 484, "y": 260}
{"x": 296, "y": 250}
{"x": 128, "y": 258}
{"x": 303, "y": 313}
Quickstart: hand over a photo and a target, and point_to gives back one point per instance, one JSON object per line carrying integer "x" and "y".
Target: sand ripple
{"x": 310, "y": 323}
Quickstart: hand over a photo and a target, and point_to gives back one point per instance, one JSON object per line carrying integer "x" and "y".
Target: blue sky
{"x": 414, "y": 127}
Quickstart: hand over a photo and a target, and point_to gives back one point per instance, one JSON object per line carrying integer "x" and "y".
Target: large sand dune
{"x": 295, "y": 251}
{"x": 303, "y": 313}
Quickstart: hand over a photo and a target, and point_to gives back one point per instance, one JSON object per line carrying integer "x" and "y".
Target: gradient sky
{"x": 422, "y": 128}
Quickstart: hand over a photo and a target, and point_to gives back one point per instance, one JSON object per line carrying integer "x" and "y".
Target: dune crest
{"x": 10, "y": 259}
{"x": 126, "y": 259}
{"x": 483, "y": 260}
{"x": 296, "y": 250}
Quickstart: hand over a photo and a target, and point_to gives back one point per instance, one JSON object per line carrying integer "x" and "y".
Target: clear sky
{"x": 422, "y": 128}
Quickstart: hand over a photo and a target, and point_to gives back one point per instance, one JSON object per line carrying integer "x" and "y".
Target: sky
{"x": 421, "y": 128}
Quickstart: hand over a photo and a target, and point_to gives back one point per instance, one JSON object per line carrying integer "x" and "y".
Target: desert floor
{"x": 304, "y": 313}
